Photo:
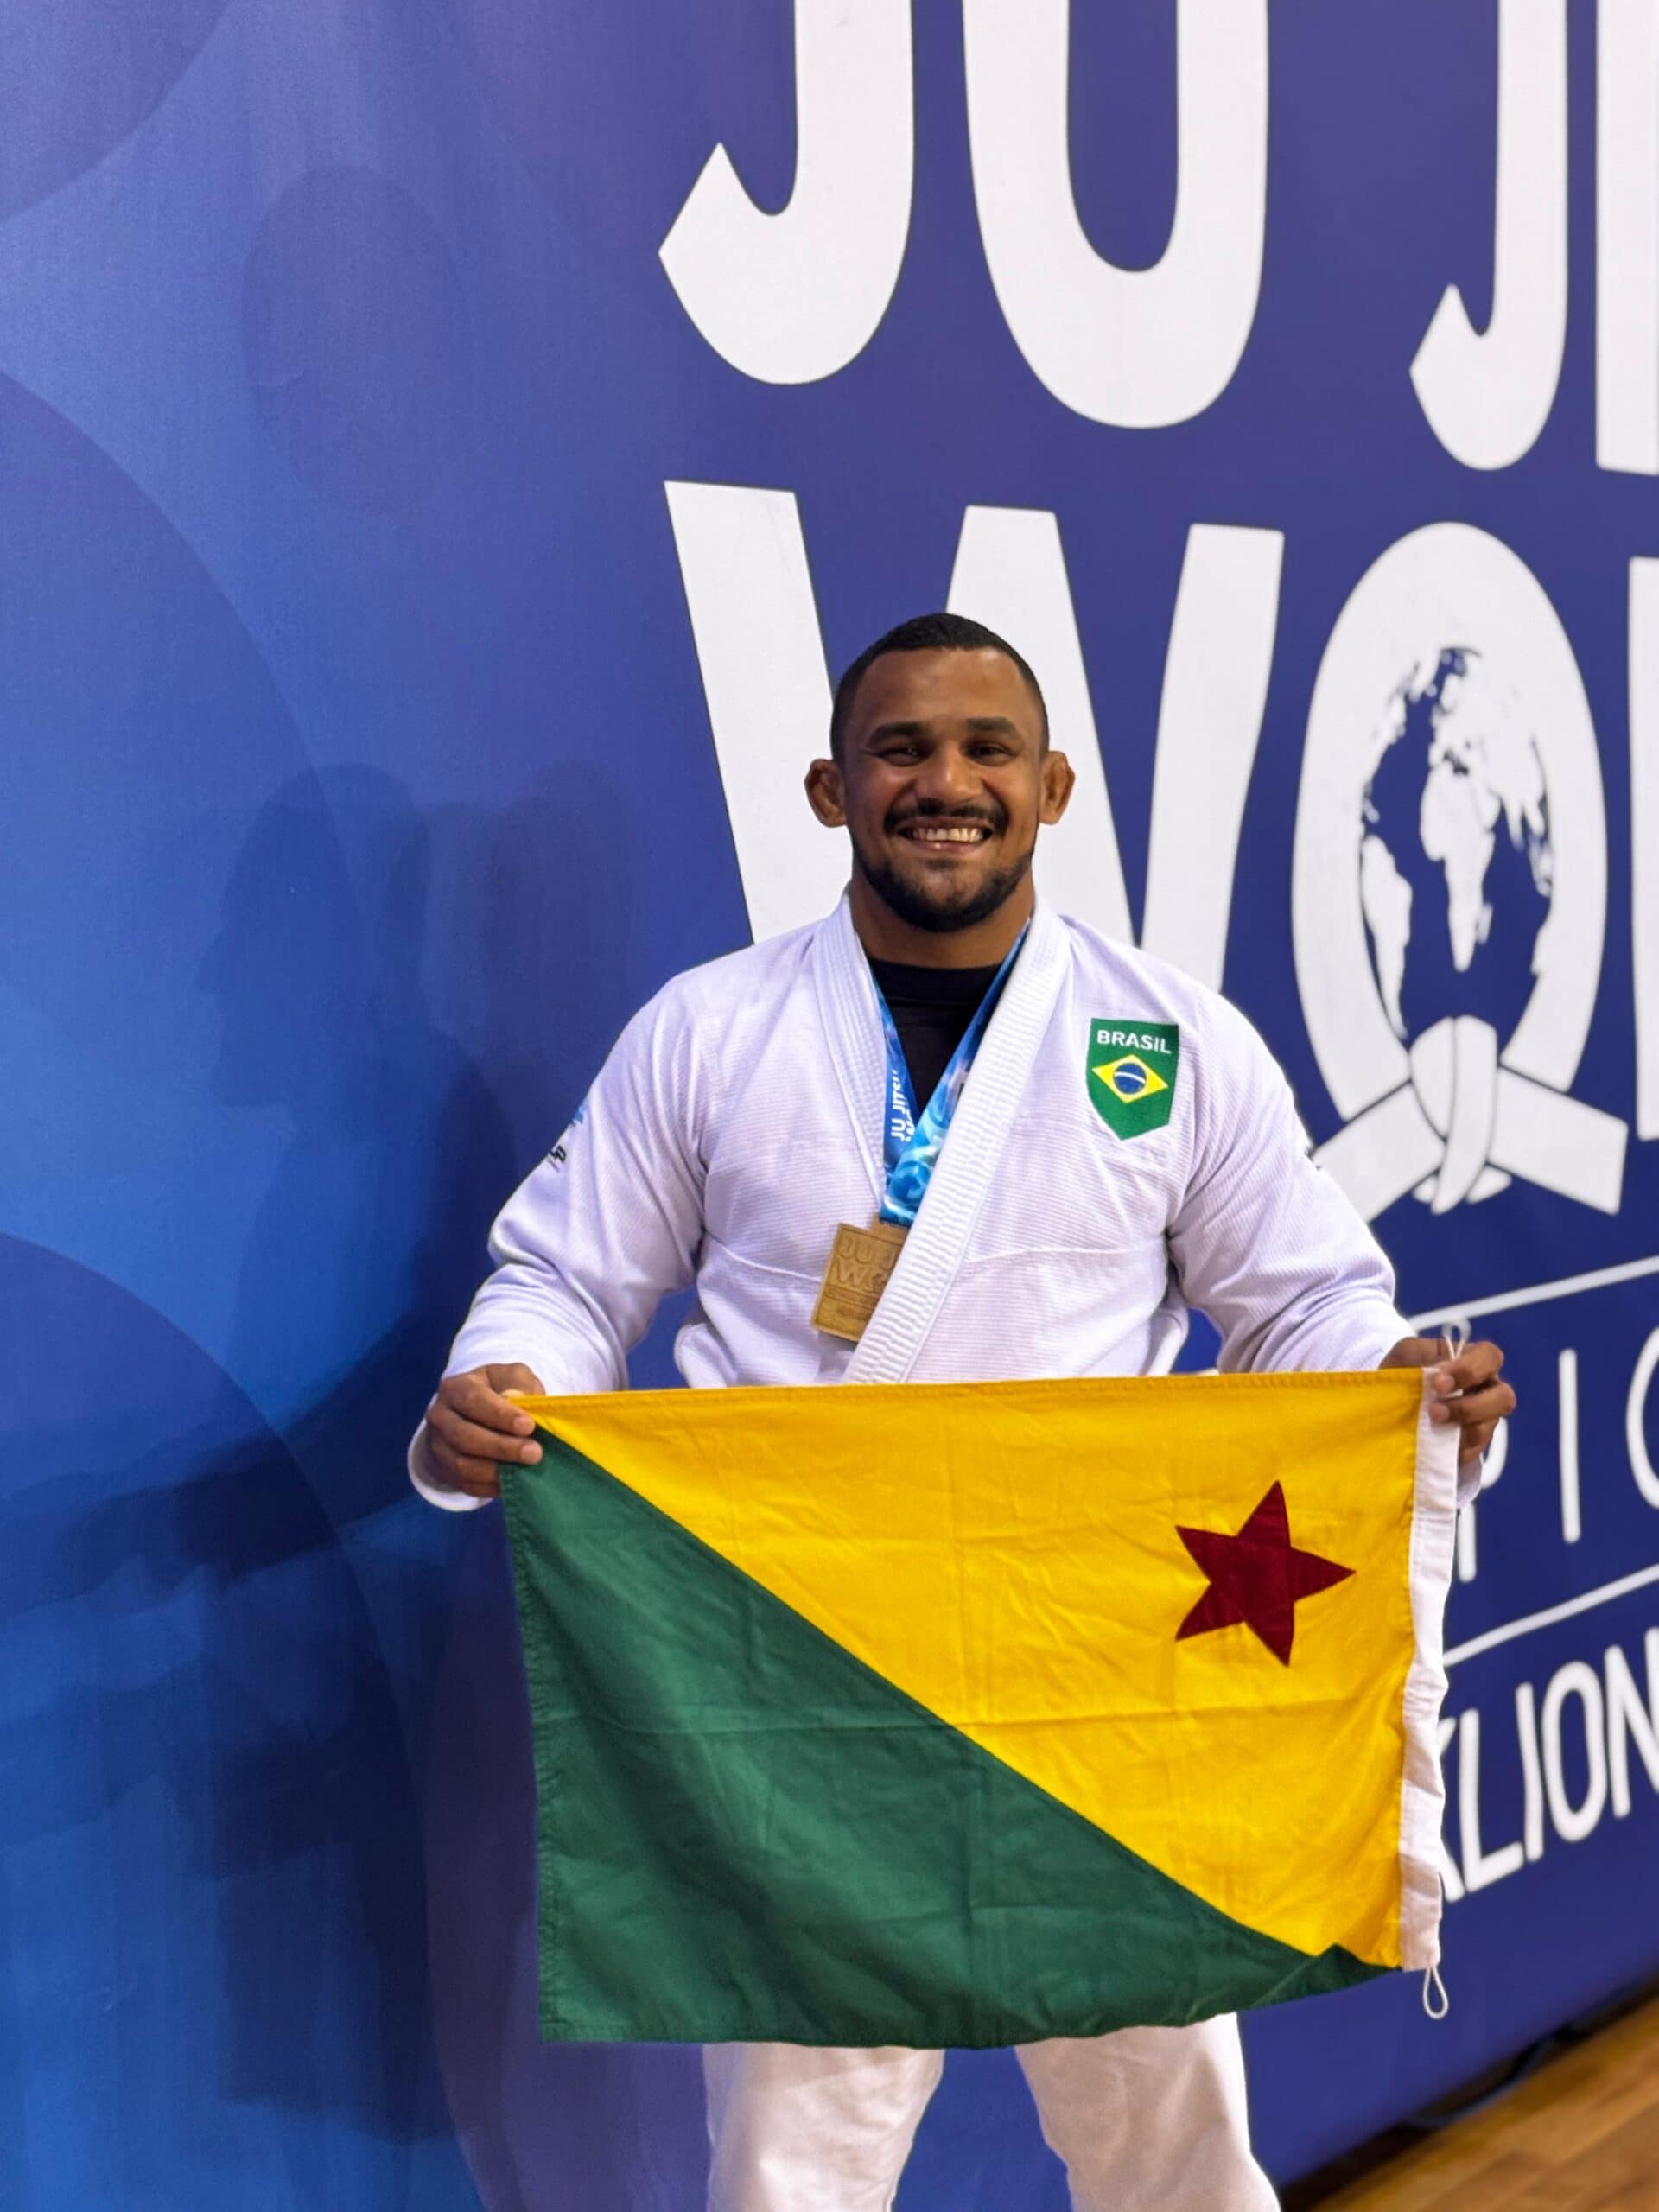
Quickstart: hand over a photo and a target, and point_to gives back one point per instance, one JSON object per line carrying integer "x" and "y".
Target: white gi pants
{"x": 1151, "y": 2119}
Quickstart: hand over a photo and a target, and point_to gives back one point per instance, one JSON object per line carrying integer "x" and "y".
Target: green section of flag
{"x": 1131, "y": 1067}
{"x": 746, "y": 1835}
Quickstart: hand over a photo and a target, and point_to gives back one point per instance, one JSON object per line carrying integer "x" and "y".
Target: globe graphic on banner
{"x": 1456, "y": 867}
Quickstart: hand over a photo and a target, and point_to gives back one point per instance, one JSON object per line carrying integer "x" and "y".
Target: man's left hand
{"x": 1469, "y": 1388}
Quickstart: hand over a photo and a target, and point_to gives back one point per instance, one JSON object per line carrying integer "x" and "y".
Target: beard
{"x": 947, "y": 906}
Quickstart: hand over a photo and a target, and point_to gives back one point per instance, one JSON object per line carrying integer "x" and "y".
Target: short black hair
{"x": 926, "y": 633}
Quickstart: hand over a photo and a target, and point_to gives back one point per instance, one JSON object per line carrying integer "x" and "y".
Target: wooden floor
{"x": 1580, "y": 2135}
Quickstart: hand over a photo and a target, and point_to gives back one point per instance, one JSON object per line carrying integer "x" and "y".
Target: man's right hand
{"x": 473, "y": 1428}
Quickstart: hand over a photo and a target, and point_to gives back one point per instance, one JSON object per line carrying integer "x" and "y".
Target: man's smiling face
{"x": 944, "y": 778}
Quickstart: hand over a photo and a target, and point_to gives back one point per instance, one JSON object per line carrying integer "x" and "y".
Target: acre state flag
{"x": 975, "y": 1714}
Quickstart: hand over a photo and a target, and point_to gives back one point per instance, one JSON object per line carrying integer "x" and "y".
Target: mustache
{"x": 993, "y": 817}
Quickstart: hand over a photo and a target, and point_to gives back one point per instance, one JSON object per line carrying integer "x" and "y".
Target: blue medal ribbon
{"x": 911, "y": 1141}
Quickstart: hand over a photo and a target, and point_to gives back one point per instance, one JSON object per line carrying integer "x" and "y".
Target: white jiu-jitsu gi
{"x": 738, "y": 1121}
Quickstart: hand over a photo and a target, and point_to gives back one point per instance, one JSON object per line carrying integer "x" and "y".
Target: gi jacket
{"x": 1067, "y": 1231}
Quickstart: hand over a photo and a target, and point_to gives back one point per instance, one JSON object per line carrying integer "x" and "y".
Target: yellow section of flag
{"x": 1013, "y": 1556}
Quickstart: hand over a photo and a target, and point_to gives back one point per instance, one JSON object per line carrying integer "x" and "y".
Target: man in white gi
{"x": 762, "y": 1110}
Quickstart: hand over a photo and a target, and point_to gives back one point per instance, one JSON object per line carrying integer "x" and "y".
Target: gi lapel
{"x": 853, "y": 1029}
{"x": 933, "y": 1251}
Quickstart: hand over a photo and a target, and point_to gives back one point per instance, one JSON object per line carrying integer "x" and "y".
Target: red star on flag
{"x": 1256, "y": 1577}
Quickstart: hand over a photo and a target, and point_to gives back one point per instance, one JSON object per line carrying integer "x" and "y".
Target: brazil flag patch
{"x": 1132, "y": 1067}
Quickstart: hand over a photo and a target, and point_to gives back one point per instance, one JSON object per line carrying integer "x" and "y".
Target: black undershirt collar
{"x": 931, "y": 1008}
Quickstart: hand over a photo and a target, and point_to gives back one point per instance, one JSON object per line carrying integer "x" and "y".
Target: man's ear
{"x": 1058, "y": 776}
{"x": 825, "y": 794}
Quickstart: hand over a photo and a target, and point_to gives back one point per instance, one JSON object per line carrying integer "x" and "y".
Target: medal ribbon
{"x": 911, "y": 1141}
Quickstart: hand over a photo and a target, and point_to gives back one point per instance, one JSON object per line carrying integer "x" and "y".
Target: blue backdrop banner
{"x": 445, "y": 445}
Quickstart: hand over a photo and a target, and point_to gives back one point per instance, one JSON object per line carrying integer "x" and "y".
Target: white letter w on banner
{"x": 743, "y": 559}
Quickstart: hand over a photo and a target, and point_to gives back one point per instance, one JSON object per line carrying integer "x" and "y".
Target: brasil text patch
{"x": 1132, "y": 1067}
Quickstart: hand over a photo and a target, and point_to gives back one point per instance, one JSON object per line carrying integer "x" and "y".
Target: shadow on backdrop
{"x": 209, "y": 1809}
{"x": 221, "y": 1605}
